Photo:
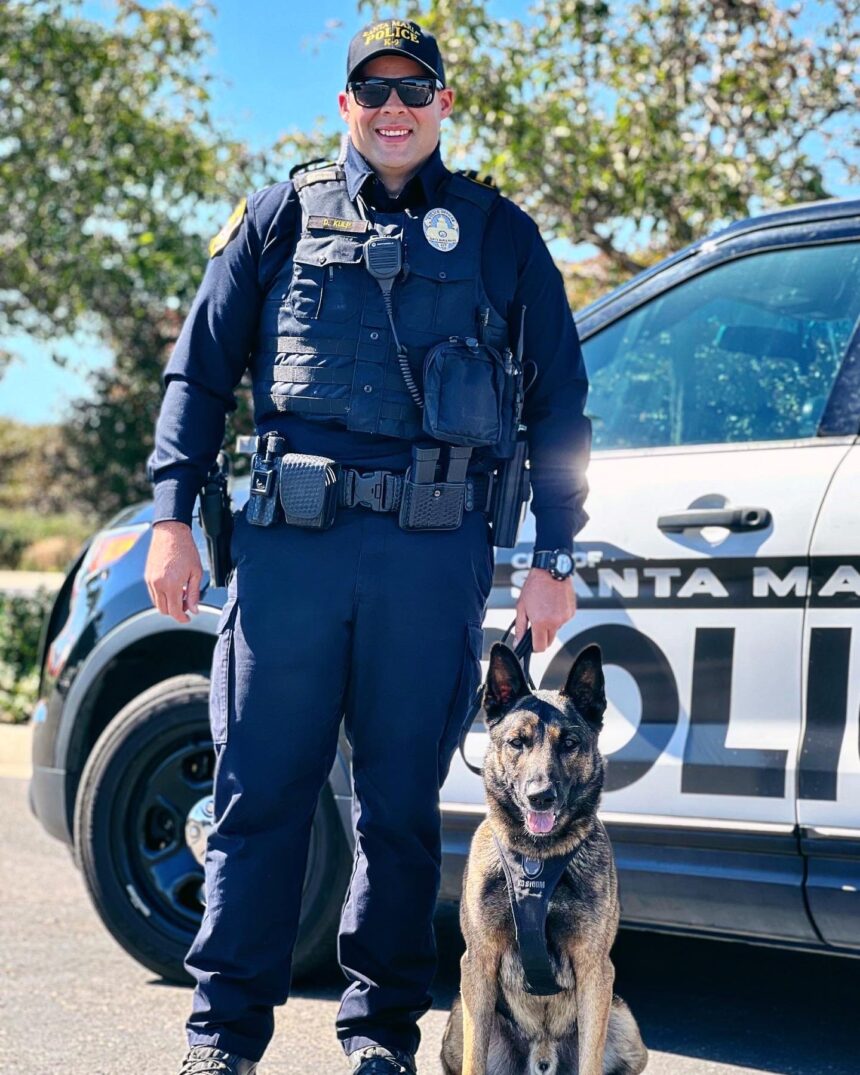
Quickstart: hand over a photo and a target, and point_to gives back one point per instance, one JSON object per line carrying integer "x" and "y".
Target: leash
{"x": 523, "y": 652}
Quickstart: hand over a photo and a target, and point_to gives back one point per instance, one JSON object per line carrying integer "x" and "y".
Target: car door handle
{"x": 735, "y": 519}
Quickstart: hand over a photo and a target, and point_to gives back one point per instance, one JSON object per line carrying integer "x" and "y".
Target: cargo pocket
{"x": 221, "y": 680}
{"x": 461, "y": 710}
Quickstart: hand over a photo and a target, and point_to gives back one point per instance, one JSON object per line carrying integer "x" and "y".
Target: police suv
{"x": 719, "y": 572}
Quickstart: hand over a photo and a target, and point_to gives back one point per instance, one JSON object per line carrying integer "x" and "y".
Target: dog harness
{"x": 531, "y": 883}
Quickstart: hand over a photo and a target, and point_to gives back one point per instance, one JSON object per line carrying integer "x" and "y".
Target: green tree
{"x": 643, "y": 123}
{"x": 110, "y": 165}
{"x": 112, "y": 177}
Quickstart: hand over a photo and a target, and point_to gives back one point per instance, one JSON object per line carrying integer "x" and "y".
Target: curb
{"x": 23, "y": 583}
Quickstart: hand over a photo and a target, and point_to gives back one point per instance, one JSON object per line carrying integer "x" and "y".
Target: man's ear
{"x": 505, "y": 682}
{"x": 585, "y": 685}
{"x": 343, "y": 105}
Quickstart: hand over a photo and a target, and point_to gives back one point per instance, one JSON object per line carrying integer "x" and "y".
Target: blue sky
{"x": 279, "y": 65}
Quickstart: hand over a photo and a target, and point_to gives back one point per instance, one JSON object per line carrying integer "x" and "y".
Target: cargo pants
{"x": 381, "y": 628}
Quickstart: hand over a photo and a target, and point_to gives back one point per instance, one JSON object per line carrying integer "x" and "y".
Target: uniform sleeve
{"x": 559, "y": 433}
{"x": 207, "y": 364}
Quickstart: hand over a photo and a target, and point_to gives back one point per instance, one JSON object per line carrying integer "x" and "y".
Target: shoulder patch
{"x": 218, "y": 242}
{"x": 472, "y": 174}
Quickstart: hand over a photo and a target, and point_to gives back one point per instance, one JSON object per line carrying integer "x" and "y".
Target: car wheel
{"x": 152, "y": 764}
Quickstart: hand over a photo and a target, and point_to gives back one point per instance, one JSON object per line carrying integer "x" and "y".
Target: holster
{"x": 216, "y": 520}
{"x": 511, "y": 491}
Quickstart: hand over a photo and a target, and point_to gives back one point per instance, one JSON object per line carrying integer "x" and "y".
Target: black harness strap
{"x": 531, "y": 883}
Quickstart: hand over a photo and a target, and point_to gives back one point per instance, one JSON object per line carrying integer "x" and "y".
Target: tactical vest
{"x": 325, "y": 348}
{"x": 531, "y": 883}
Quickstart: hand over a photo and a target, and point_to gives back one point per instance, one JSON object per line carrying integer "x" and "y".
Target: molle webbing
{"x": 324, "y": 349}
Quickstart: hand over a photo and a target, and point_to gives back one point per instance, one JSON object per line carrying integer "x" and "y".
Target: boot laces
{"x": 206, "y": 1060}
{"x": 381, "y": 1062}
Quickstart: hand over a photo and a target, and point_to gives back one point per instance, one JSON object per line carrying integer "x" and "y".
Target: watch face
{"x": 563, "y": 563}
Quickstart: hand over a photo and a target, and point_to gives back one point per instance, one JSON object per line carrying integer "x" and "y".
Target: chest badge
{"x": 441, "y": 229}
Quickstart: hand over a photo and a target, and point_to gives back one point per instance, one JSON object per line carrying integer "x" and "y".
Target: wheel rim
{"x": 156, "y": 866}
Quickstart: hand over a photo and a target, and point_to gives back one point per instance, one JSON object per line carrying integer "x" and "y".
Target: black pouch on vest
{"x": 464, "y": 392}
{"x": 308, "y": 488}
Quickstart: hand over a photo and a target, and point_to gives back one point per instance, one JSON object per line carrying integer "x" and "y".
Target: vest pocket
{"x": 306, "y": 291}
{"x": 326, "y": 284}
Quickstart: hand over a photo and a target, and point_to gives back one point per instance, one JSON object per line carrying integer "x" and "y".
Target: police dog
{"x": 543, "y": 775}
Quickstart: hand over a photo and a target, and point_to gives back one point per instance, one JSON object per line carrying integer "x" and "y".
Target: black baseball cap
{"x": 395, "y": 37}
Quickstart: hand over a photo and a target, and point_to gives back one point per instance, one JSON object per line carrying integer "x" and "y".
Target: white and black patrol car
{"x": 719, "y": 572}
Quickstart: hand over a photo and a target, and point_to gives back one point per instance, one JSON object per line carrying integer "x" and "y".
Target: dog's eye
{"x": 516, "y": 743}
{"x": 570, "y": 744}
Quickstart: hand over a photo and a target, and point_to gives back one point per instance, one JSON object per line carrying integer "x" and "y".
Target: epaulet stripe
{"x": 471, "y": 173}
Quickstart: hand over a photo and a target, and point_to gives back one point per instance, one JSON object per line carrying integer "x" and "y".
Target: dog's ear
{"x": 585, "y": 685}
{"x": 505, "y": 682}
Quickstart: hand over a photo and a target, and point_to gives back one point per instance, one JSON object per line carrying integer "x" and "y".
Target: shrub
{"x": 24, "y": 528}
{"x": 21, "y": 621}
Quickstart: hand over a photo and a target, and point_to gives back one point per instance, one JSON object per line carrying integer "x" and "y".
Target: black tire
{"x": 125, "y": 826}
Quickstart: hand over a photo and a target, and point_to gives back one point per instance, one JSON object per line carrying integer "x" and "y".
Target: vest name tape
{"x": 330, "y": 223}
{"x": 441, "y": 229}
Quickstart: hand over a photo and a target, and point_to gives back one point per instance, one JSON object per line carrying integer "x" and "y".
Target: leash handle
{"x": 523, "y": 652}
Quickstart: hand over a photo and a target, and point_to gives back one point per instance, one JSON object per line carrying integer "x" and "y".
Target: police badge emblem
{"x": 441, "y": 229}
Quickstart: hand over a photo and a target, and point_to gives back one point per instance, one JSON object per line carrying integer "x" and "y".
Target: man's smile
{"x": 393, "y": 133}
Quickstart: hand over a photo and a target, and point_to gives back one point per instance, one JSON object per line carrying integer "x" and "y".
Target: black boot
{"x": 377, "y": 1060}
{"x": 207, "y": 1060}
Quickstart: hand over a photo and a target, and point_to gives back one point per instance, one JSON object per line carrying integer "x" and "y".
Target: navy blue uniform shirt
{"x": 213, "y": 350}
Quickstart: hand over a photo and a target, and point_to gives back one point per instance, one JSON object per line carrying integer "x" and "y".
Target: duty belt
{"x": 382, "y": 490}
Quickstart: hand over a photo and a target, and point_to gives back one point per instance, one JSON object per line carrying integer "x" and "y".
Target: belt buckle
{"x": 373, "y": 490}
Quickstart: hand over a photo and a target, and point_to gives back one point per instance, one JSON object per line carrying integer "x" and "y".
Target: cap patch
{"x": 441, "y": 229}
{"x": 392, "y": 33}
{"x": 218, "y": 242}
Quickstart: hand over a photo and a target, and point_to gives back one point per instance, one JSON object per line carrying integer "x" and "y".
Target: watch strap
{"x": 546, "y": 559}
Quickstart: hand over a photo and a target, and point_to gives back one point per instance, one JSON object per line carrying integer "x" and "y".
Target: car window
{"x": 746, "y": 351}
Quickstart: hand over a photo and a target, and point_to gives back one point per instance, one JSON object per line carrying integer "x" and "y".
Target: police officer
{"x": 370, "y": 617}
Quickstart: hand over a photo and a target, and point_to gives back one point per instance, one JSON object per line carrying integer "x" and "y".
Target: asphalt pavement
{"x": 73, "y": 1003}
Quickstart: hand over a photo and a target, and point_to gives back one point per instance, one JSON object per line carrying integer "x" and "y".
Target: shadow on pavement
{"x": 783, "y": 1012}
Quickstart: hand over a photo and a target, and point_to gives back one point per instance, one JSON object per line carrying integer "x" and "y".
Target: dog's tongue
{"x": 540, "y": 820}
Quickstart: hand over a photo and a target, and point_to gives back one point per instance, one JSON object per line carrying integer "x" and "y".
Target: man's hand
{"x": 545, "y": 604}
{"x": 173, "y": 570}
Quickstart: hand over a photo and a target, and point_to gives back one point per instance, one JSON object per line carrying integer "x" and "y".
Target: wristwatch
{"x": 558, "y": 562}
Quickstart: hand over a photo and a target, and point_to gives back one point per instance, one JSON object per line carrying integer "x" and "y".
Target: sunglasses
{"x": 414, "y": 92}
